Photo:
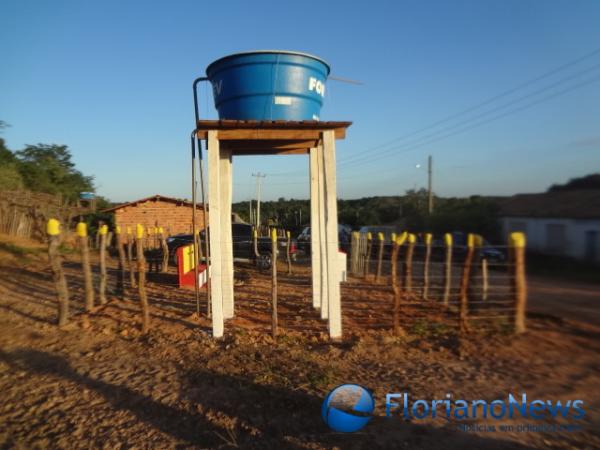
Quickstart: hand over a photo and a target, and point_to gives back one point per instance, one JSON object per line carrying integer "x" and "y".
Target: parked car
{"x": 344, "y": 236}
{"x": 488, "y": 251}
{"x": 243, "y": 248}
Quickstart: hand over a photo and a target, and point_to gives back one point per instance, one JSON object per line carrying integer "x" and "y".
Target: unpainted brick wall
{"x": 174, "y": 218}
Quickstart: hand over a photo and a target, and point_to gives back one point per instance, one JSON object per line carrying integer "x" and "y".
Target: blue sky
{"x": 112, "y": 80}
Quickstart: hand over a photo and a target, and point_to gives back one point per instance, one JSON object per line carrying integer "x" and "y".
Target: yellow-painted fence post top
{"x": 470, "y": 240}
{"x": 161, "y": 230}
{"x": 402, "y": 238}
{"x": 478, "y": 240}
{"x": 380, "y": 236}
{"x": 412, "y": 238}
{"x": 517, "y": 239}
{"x": 274, "y": 235}
{"x": 129, "y": 230}
{"x": 355, "y": 234}
{"x": 254, "y": 233}
{"x": 81, "y": 229}
{"x": 448, "y": 239}
{"x": 139, "y": 231}
{"x": 394, "y": 237}
{"x": 428, "y": 238}
{"x": 53, "y": 227}
{"x": 117, "y": 229}
{"x": 369, "y": 236}
{"x": 288, "y": 234}
{"x": 103, "y": 229}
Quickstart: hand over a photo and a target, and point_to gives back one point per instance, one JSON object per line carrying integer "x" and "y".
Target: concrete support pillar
{"x": 315, "y": 249}
{"x": 331, "y": 233}
{"x": 225, "y": 169}
{"x": 321, "y": 236}
{"x": 214, "y": 217}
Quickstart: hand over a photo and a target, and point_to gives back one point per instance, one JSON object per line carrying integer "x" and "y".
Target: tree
{"x": 48, "y": 168}
{"x": 591, "y": 181}
{"x": 10, "y": 178}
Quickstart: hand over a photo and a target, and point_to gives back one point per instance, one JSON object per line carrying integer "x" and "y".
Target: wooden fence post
{"x": 121, "y": 275}
{"x": 428, "y": 238}
{"x": 141, "y": 266}
{"x": 165, "y": 250}
{"x": 255, "y": 241}
{"x": 412, "y": 239}
{"x": 447, "y": 268}
{"x": 368, "y": 254}
{"x": 58, "y": 275}
{"x": 354, "y": 252}
{"x": 517, "y": 242}
{"x": 130, "y": 257}
{"x": 380, "y": 238}
{"x": 464, "y": 284}
{"x": 485, "y": 280}
{"x": 103, "y": 231}
{"x": 397, "y": 243}
{"x": 288, "y": 252}
{"x": 81, "y": 230}
{"x": 274, "y": 282}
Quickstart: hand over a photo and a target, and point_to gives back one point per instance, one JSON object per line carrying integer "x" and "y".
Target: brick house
{"x": 174, "y": 215}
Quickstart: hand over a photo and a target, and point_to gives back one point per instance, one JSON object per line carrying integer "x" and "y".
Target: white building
{"x": 565, "y": 223}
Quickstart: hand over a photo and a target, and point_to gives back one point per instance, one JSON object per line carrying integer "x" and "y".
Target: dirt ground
{"x": 103, "y": 385}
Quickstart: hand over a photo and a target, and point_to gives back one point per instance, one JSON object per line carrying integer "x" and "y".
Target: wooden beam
{"x": 269, "y": 134}
{"x": 214, "y": 200}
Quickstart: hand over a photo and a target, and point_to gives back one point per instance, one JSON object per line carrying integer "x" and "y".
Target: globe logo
{"x": 348, "y": 408}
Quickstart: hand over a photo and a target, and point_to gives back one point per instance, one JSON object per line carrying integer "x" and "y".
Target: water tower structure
{"x": 269, "y": 103}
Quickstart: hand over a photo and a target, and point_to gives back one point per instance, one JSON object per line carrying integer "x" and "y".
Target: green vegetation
{"x": 42, "y": 168}
{"x": 474, "y": 214}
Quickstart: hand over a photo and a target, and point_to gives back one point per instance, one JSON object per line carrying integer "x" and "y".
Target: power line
{"x": 488, "y": 100}
{"x": 478, "y": 124}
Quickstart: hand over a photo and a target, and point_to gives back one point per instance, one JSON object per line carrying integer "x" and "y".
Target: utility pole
{"x": 430, "y": 182}
{"x": 258, "y": 176}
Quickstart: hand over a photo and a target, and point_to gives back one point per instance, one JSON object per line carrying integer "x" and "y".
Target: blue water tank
{"x": 268, "y": 85}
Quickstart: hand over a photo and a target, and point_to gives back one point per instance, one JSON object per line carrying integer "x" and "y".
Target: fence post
{"x": 408, "y": 262}
{"x": 464, "y": 284}
{"x": 58, "y": 275}
{"x": 397, "y": 243}
{"x": 288, "y": 254}
{"x": 81, "y": 230}
{"x": 428, "y": 238}
{"x": 103, "y": 231}
{"x": 141, "y": 266}
{"x": 447, "y": 268}
{"x": 368, "y": 254}
{"x": 484, "y": 277}
{"x": 255, "y": 241}
{"x": 121, "y": 251}
{"x": 165, "y": 250}
{"x": 130, "y": 257}
{"x": 354, "y": 253}
{"x": 274, "y": 282}
{"x": 380, "y": 238}
{"x": 517, "y": 242}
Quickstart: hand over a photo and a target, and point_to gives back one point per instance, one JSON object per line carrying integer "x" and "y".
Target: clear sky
{"x": 112, "y": 80}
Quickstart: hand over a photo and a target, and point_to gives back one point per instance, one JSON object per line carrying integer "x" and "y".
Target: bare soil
{"x": 99, "y": 383}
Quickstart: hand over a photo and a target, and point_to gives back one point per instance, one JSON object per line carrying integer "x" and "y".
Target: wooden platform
{"x": 278, "y": 137}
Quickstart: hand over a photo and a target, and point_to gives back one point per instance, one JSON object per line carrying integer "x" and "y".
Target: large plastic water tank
{"x": 268, "y": 85}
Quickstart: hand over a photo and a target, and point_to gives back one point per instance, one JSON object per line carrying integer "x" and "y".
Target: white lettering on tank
{"x": 316, "y": 85}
